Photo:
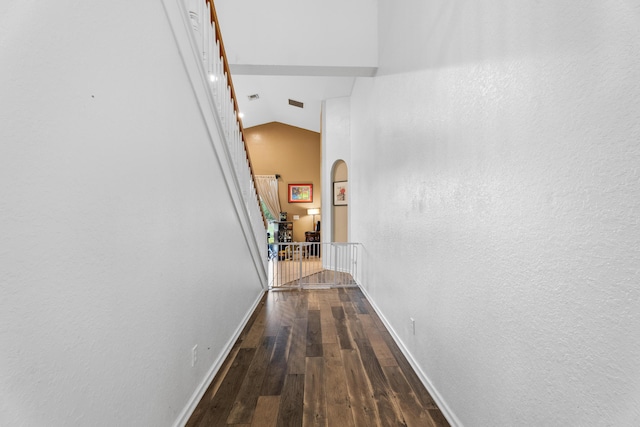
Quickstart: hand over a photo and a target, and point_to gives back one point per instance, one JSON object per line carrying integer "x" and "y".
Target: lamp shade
{"x": 313, "y": 211}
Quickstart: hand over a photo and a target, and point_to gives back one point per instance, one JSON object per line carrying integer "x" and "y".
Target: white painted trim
{"x": 217, "y": 364}
{"x": 188, "y": 49}
{"x": 444, "y": 408}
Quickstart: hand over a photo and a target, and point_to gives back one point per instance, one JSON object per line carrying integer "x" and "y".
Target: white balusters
{"x": 230, "y": 114}
{"x": 207, "y": 35}
{"x": 217, "y": 73}
{"x": 213, "y": 65}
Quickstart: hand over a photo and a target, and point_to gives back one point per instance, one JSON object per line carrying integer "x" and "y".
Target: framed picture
{"x": 340, "y": 193}
{"x": 300, "y": 193}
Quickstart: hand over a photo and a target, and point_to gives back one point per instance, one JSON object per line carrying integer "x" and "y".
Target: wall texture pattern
{"x": 112, "y": 215}
{"x": 495, "y": 169}
{"x": 336, "y": 148}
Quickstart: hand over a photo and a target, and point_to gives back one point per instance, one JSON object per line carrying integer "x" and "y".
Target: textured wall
{"x": 497, "y": 192}
{"x": 120, "y": 248}
{"x": 340, "y": 213}
{"x": 336, "y": 146}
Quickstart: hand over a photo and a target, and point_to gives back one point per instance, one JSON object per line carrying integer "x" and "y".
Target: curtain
{"x": 267, "y": 186}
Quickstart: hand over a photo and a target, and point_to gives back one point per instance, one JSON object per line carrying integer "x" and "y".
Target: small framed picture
{"x": 300, "y": 193}
{"x": 340, "y": 193}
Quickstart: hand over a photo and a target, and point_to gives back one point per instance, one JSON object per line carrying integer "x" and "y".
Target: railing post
{"x": 299, "y": 263}
{"x": 334, "y": 262}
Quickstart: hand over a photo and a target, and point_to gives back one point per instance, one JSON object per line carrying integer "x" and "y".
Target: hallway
{"x": 316, "y": 358}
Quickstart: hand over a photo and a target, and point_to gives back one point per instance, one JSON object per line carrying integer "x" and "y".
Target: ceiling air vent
{"x": 253, "y": 97}
{"x": 296, "y": 103}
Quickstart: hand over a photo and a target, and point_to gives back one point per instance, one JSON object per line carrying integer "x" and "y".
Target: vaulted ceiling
{"x": 296, "y": 50}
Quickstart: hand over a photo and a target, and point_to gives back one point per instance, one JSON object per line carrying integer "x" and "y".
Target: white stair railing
{"x": 214, "y": 71}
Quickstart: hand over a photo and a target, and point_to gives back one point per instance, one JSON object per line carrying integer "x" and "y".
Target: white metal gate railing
{"x": 309, "y": 264}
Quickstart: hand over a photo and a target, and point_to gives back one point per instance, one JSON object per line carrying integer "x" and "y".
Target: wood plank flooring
{"x": 316, "y": 358}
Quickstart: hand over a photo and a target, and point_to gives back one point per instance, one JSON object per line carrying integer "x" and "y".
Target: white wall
{"x": 329, "y": 33}
{"x": 120, "y": 246}
{"x": 495, "y": 178}
{"x": 336, "y": 146}
{"x": 340, "y": 214}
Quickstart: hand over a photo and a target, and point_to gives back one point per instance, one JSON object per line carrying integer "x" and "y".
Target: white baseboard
{"x": 204, "y": 385}
{"x": 444, "y": 408}
{"x": 217, "y": 364}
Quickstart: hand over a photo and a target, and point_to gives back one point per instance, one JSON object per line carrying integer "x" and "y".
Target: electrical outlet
{"x": 413, "y": 325}
{"x": 194, "y": 355}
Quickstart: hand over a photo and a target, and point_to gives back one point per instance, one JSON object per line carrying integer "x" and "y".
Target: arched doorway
{"x": 340, "y": 211}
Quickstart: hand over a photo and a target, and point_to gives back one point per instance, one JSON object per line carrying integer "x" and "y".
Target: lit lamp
{"x": 314, "y": 212}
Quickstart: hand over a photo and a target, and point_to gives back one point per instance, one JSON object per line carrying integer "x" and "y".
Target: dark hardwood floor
{"x": 316, "y": 358}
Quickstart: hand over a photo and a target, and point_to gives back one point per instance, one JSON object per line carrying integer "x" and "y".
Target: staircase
{"x": 197, "y": 34}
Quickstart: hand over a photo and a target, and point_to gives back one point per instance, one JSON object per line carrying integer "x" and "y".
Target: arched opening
{"x": 340, "y": 204}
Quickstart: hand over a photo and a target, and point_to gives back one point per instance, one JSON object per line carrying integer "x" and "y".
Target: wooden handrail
{"x": 225, "y": 63}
